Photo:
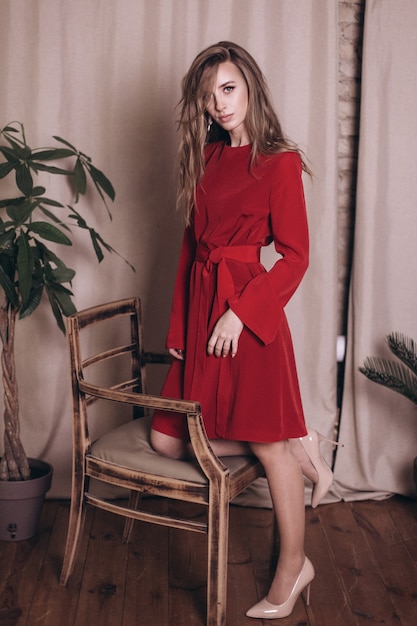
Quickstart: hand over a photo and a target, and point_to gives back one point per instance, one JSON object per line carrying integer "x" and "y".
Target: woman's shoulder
{"x": 284, "y": 159}
{"x": 211, "y": 148}
{"x": 284, "y": 155}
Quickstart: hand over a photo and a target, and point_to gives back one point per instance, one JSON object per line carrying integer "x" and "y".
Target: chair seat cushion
{"x": 129, "y": 446}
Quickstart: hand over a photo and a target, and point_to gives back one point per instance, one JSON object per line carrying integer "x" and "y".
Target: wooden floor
{"x": 364, "y": 553}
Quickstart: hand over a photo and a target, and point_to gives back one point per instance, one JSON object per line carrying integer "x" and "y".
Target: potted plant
{"x": 32, "y": 226}
{"x": 399, "y": 376}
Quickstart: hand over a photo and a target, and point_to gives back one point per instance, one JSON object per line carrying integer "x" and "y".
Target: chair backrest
{"x": 109, "y": 349}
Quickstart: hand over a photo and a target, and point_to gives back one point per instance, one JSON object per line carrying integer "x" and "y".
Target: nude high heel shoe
{"x": 311, "y": 444}
{"x": 266, "y": 610}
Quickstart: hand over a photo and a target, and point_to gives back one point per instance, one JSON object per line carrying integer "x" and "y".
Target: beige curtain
{"x": 106, "y": 76}
{"x": 378, "y": 426}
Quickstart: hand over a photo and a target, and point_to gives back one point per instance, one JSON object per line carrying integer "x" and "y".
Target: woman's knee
{"x": 265, "y": 451}
{"x": 165, "y": 445}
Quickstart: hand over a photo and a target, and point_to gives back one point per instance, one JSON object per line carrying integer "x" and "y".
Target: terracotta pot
{"x": 21, "y": 502}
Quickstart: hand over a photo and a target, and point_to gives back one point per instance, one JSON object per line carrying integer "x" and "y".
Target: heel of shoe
{"x": 308, "y": 594}
{"x": 327, "y": 440}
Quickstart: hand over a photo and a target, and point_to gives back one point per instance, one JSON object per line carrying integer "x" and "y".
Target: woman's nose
{"x": 218, "y": 103}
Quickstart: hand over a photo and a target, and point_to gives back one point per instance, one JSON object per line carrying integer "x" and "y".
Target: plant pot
{"x": 21, "y": 502}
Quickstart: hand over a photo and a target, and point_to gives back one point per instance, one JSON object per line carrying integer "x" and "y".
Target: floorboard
{"x": 364, "y": 553}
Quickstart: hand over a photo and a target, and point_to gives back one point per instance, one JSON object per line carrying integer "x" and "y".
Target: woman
{"x": 241, "y": 189}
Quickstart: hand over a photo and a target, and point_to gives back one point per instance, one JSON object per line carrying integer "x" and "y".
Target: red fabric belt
{"x": 218, "y": 256}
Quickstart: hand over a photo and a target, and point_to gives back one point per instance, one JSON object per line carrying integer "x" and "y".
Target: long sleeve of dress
{"x": 260, "y": 305}
{"x": 178, "y": 318}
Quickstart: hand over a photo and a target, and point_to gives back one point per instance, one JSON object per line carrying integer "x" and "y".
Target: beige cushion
{"x": 129, "y": 446}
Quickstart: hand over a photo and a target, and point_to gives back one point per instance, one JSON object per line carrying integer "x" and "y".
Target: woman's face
{"x": 228, "y": 103}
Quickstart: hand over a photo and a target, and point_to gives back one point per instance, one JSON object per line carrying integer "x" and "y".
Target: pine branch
{"x": 404, "y": 348}
{"x": 392, "y": 375}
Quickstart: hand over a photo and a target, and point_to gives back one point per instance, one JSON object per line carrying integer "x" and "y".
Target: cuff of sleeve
{"x": 259, "y": 309}
{"x": 175, "y": 340}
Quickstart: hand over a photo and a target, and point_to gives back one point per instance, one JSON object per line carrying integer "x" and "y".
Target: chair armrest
{"x": 139, "y": 399}
{"x": 210, "y": 464}
{"x": 157, "y": 357}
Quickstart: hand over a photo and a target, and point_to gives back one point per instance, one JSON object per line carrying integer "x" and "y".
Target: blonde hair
{"x": 262, "y": 125}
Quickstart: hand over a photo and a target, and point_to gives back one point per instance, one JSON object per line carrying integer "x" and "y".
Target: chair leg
{"x": 134, "y": 501}
{"x": 75, "y": 526}
{"x": 218, "y": 542}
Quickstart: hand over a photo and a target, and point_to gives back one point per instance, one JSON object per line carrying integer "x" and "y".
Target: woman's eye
{"x": 228, "y": 89}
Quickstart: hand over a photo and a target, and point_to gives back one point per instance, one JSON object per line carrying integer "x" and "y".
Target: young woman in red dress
{"x": 241, "y": 189}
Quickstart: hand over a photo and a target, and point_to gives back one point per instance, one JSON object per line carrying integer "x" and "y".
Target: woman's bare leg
{"x": 286, "y": 485}
{"x": 179, "y": 449}
{"x": 223, "y": 447}
{"x": 165, "y": 445}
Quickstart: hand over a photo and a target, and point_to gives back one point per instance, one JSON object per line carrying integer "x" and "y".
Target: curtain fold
{"x": 378, "y": 426}
{"x": 106, "y": 76}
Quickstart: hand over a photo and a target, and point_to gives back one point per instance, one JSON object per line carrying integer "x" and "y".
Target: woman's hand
{"x": 177, "y": 353}
{"x": 225, "y": 335}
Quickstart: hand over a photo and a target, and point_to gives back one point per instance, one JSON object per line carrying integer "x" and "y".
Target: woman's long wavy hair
{"x": 263, "y": 127}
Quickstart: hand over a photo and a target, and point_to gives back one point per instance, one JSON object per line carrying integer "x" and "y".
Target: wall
{"x": 351, "y": 18}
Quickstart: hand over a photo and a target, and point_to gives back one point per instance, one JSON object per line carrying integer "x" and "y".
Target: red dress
{"x": 255, "y": 395}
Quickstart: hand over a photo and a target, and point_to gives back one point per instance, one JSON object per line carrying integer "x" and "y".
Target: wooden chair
{"x": 124, "y": 458}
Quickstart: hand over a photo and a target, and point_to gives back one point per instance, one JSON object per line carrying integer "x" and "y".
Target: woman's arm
{"x": 179, "y": 310}
{"x": 260, "y": 305}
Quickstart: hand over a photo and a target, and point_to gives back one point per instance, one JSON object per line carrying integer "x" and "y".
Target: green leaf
{"x": 21, "y": 213}
{"x": 53, "y": 217}
{"x": 61, "y": 303}
{"x": 6, "y": 168}
{"x": 8, "y": 287}
{"x": 67, "y": 143}
{"x": 100, "y": 179}
{"x": 63, "y": 275}
{"x": 24, "y": 179}
{"x": 38, "y": 191}
{"x": 81, "y": 223}
{"x": 8, "y": 129}
{"x": 52, "y": 202}
{"x": 25, "y": 266}
{"x": 55, "y": 309}
{"x": 49, "y": 232}
{"x": 96, "y": 245}
{"x": 13, "y": 201}
{"x": 33, "y": 303}
{"x": 99, "y": 239}
{"x": 20, "y": 148}
{"x": 56, "y": 275}
{"x": 9, "y": 154}
{"x": 51, "y": 169}
{"x": 80, "y": 180}
{"x": 6, "y": 239}
{"x": 52, "y": 154}
{"x": 8, "y": 261}
{"x": 65, "y": 303}
{"x": 96, "y": 239}
{"x": 50, "y": 257}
